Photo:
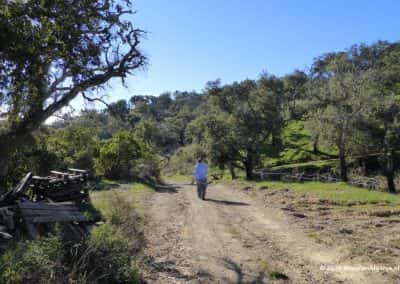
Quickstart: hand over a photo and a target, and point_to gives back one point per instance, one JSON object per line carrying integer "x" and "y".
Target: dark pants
{"x": 201, "y": 188}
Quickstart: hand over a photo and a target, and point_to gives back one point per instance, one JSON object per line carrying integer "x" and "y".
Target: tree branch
{"x": 95, "y": 100}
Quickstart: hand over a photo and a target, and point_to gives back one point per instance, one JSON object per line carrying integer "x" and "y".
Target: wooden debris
{"x": 38, "y": 202}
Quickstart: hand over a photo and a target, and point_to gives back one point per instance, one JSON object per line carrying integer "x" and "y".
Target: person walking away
{"x": 200, "y": 177}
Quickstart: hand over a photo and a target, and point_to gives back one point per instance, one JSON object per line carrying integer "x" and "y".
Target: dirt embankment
{"x": 264, "y": 236}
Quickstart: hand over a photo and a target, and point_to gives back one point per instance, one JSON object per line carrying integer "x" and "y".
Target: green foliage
{"x": 346, "y": 107}
{"x": 34, "y": 156}
{"x": 162, "y": 121}
{"x": 249, "y": 117}
{"x": 158, "y": 134}
{"x": 103, "y": 123}
{"x": 339, "y": 101}
{"x": 56, "y": 51}
{"x": 108, "y": 255}
{"x": 32, "y": 262}
{"x": 297, "y": 147}
{"x": 312, "y": 166}
{"x": 105, "y": 257}
{"x": 295, "y": 88}
{"x": 120, "y": 210}
{"x": 120, "y": 155}
{"x": 75, "y": 146}
{"x": 182, "y": 163}
{"x": 110, "y": 258}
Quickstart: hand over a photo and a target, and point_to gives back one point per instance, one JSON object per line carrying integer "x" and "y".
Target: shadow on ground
{"x": 168, "y": 267}
{"x": 169, "y": 188}
{"x": 237, "y": 268}
{"x": 227, "y": 202}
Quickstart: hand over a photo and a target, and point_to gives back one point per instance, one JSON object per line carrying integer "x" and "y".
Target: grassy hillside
{"x": 297, "y": 146}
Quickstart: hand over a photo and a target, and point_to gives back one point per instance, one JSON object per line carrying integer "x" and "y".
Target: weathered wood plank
{"x": 30, "y": 213}
{"x": 18, "y": 190}
{"x": 51, "y": 219}
{"x": 60, "y": 174}
{"x": 46, "y": 206}
{"x": 21, "y": 187}
{"x": 78, "y": 171}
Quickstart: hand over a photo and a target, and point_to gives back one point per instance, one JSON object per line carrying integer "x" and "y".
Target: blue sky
{"x": 190, "y": 42}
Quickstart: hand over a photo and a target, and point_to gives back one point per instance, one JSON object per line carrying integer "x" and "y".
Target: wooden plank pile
{"x": 38, "y": 203}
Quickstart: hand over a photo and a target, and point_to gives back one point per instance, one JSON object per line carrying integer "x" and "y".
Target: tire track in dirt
{"x": 229, "y": 238}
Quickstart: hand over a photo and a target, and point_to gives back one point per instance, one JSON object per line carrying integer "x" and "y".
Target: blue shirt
{"x": 200, "y": 171}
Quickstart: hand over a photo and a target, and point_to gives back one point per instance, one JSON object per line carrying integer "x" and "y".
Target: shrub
{"x": 106, "y": 258}
{"x": 119, "y": 209}
{"x": 119, "y": 155}
{"x": 76, "y": 146}
{"x": 31, "y": 157}
{"x": 107, "y": 255}
{"x": 182, "y": 163}
{"x": 147, "y": 169}
{"x": 37, "y": 261}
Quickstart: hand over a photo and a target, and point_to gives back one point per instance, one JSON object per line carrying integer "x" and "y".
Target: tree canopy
{"x": 53, "y": 51}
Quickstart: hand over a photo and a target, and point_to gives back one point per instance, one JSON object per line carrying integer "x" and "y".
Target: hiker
{"x": 200, "y": 177}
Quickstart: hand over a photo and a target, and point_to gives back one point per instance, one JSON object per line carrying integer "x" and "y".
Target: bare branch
{"x": 95, "y": 100}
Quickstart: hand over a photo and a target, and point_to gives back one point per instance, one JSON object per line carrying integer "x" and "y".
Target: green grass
{"x": 297, "y": 146}
{"x": 140, "y": 188}
{"x": 127, "y": 192}
{"x": 340, "y": 192}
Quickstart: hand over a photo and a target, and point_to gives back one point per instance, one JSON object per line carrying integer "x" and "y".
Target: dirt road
{"x": 234, "y": 238}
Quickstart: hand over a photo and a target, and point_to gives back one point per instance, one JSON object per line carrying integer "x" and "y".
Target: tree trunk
{"x": 9, "y": 142}
{"x": 182, "y": 138}
{"x": 342, "y": 155}
{"x": 249, "y": 166}
{"x": 232, "y": 171}
{"x": 390, "y": 182}
{"x": 5, "y": 155}
{"x": 315, "y": 145}
{"x": 343, "y": 165}
{"x": 390, "y": 172}
{"x": 364, "y": 165}
{"x": 249, "y": 172}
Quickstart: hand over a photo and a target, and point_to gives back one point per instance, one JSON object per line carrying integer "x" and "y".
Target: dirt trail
{"x": 231, "y": 238}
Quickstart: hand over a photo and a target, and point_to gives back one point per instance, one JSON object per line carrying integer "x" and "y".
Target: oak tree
{"x": 53, "y": 51}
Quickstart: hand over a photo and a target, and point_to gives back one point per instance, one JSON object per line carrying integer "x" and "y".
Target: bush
{"x": 107, "y": 255}
{"x": 118, "y": 208}
{"x": 182, "y": 163}
{"x": 31, "y": 157}
{"x": 76, "y": 146}
{"x": 147, "y": 169}
{"x": 32, "y": 262}
{"x": 107, "y": 258}
{"x": 120, "y": 155}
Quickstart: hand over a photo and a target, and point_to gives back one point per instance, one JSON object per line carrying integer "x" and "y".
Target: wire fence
{"x": 365, "y": 182}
